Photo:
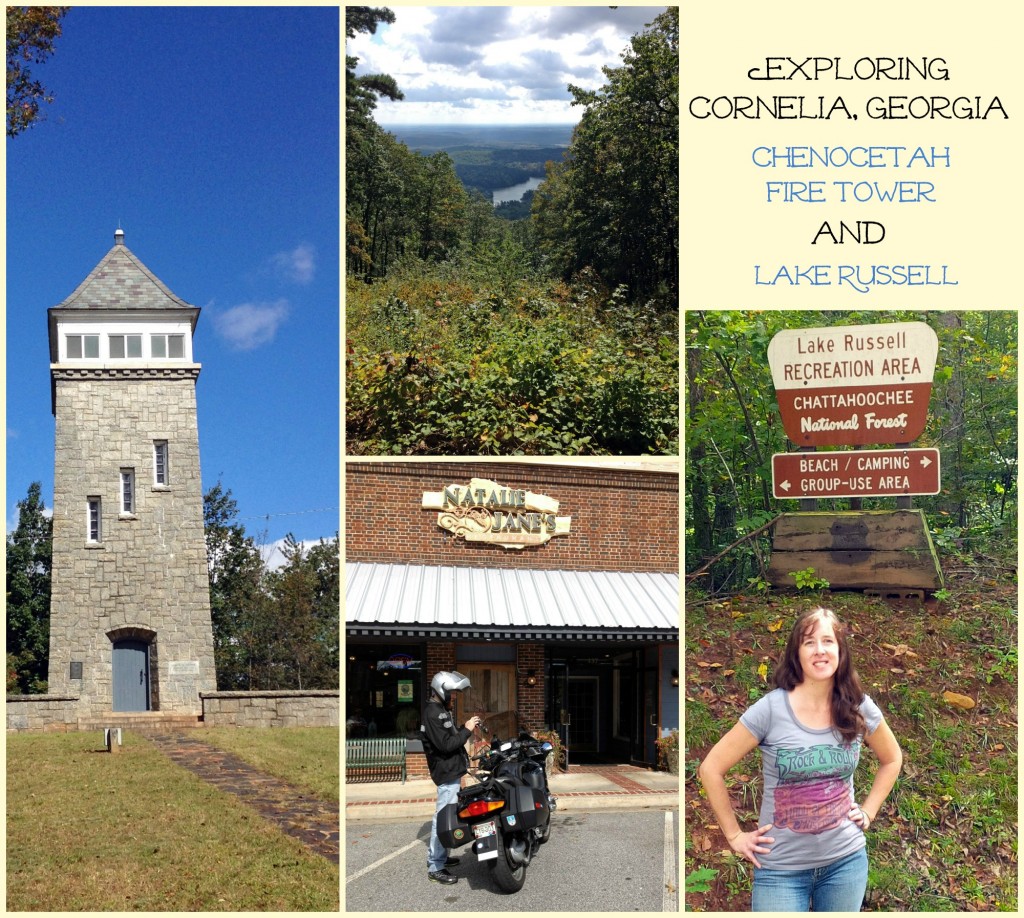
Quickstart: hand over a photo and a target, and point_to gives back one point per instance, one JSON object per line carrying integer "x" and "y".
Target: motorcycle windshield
{"x": 504, "y": 725}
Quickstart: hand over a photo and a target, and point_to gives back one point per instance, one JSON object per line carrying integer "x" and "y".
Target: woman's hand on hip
{"x": 749, "y": 844}
{"x": 858, "y": 816}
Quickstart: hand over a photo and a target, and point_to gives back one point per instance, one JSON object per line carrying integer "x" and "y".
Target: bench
{"x": 376, "y": 753}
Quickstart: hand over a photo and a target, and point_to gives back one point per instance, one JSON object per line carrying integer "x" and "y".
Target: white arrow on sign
{"x": 925, "y": 461}
{"x": 785, "y": 485}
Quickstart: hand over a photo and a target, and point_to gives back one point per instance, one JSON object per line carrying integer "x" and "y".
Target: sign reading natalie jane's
{"x": 487, "y": 512}
{"x": 854, "y": 385}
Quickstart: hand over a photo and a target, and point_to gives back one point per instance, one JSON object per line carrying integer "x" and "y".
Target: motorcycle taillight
{"x": 480, "y": 808}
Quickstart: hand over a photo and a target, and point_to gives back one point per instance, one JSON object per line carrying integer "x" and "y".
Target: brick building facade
{"x": 576, "y": 634}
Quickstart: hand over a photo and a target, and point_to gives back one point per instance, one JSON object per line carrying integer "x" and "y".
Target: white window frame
{"x": 161, "y": 472}
{"x": 124, "y": 338}
{"x": 83, "y": 340}
{"x": 93, "y": 520}
{"x": 127, "y": 492}
{"x": 165, "y": 338}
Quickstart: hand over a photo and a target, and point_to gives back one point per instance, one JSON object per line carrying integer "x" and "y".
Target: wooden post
{"x": 808, "y": 504}
{"x": 904, "y": 503}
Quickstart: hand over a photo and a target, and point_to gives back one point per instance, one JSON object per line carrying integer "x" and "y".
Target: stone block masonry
{"x": 51, "y": 713}
{"x": 146, "y": 577}
{"x": 271, "y": 709}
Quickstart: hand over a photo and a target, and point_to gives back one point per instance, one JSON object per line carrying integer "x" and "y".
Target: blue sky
{"x": 495, "y": 64}
{"x": 211, "y": 136}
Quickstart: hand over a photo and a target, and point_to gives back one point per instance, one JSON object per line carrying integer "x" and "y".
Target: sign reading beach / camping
{"x": 854, "y": 385}
{"x": 488, "y": 512}
{"x": 856, "y": 473}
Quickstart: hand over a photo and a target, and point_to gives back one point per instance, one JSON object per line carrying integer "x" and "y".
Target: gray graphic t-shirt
{"x": 808, "y": 784}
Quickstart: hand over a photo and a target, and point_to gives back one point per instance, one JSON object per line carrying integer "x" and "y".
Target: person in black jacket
{"x": 447, "y": 759}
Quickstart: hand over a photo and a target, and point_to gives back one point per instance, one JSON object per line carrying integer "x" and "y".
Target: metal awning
{"x": 424, "y": 601}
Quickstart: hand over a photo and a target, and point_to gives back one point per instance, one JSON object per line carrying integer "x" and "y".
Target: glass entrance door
{"x": 582, "y": 705}
{"x": 644, "y": 751}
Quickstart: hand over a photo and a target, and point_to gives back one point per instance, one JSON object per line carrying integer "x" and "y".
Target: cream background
{"x": 726, "y": 224}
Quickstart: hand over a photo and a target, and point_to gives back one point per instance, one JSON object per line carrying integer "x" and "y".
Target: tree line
{"x": 272, "y": 629}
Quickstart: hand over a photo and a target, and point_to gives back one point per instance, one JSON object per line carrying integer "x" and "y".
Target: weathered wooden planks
{"x": 856, "y": 549}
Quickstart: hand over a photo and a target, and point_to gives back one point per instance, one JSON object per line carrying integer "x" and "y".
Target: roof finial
{"x": 119, "y": 235}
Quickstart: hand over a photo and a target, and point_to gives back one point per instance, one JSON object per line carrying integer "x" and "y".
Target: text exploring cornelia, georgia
{"x": 880, "y": 180}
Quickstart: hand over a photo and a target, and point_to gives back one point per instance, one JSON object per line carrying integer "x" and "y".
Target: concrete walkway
{"x": 313, "y": 822}
{"x": 583, "y": 787}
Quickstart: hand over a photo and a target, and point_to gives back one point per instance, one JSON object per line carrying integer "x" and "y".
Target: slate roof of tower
{"x": 121, "y": 281}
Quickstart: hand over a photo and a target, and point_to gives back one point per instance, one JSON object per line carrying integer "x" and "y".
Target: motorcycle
{"x": 507, "y": 815}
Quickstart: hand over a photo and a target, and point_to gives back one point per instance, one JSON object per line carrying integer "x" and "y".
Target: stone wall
{"x": 271, "y": 709}
{"x": 146, "y": 579}
{"x": 53, "y": 713}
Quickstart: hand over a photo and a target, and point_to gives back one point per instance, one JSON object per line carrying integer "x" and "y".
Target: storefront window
{"x": 383, "y": 690}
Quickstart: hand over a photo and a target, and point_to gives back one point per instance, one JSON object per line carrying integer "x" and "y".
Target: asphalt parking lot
{"x": 617, "y": 860}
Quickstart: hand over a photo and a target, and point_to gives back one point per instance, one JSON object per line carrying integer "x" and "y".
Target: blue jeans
{"x": 437, "y": 853}
{"x": 836, "y": 887}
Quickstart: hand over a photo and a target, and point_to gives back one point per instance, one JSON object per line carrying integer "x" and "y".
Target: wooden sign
{"x": 856, "y": 550}
{"x": 488, "y": 512}
{"x": 856, "y": 473}
{"x": 854, "y": 385}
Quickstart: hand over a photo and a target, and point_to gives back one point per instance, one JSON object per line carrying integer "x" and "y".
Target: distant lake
{"x": 515, "y": 192}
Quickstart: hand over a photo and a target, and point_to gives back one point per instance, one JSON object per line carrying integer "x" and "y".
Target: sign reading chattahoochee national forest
{"x": 854, "y": 385}
{"x": 487, "y": 512}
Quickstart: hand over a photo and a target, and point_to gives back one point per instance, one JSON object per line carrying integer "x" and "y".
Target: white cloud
{"x": 273, "y": 555}
{"x": 497, "y": 64}
{"x": 14, "y": 517}
{"x": 249, "y": 325}
{"x": 298, "y": 265}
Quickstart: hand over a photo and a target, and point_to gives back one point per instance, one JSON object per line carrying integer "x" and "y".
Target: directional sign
{"x": 854, "y": 385}
{"x": 856, "y": 473}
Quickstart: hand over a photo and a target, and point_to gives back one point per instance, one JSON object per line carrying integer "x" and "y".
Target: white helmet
{"x": 444, "y": 683}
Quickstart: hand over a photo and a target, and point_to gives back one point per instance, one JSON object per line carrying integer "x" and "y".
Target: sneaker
{"x": 442, "y": 876}
{"x": 453, "y": 862}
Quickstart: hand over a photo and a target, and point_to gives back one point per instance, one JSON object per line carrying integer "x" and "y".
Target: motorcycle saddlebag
{"x": 452, "y": 831}
{"x": 530, "y": 809}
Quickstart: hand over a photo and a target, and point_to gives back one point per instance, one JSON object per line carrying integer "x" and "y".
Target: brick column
{"x": 439, "y": 657}
{"x": 531, "y": 697}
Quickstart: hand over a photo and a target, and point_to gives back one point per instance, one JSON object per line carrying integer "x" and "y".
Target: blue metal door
{"x": 131, "y": 676}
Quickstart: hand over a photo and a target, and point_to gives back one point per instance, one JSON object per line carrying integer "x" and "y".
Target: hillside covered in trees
{"x": 489, "y": 157}
{"x": 556, "y": 332}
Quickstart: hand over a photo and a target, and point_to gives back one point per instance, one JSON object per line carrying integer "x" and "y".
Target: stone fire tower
{"x": 130, "y": 622}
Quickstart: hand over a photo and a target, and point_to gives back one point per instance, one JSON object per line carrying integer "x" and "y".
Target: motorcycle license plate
{"x": 483, "y": 829}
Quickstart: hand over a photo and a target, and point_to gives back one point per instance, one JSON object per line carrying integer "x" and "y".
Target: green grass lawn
{"x": 306, "y": 757}
{"x": 87, "y": 830}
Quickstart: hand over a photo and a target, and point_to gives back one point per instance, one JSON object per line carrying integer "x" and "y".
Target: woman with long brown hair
{"x": 808, "y": 849}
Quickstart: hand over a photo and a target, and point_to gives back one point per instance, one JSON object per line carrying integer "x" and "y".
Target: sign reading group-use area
{"x": 856, "y": 473}
{"x": 854, "y": 385}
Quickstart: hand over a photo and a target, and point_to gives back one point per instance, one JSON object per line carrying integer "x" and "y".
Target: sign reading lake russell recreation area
{"x": 854, "y": 385}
